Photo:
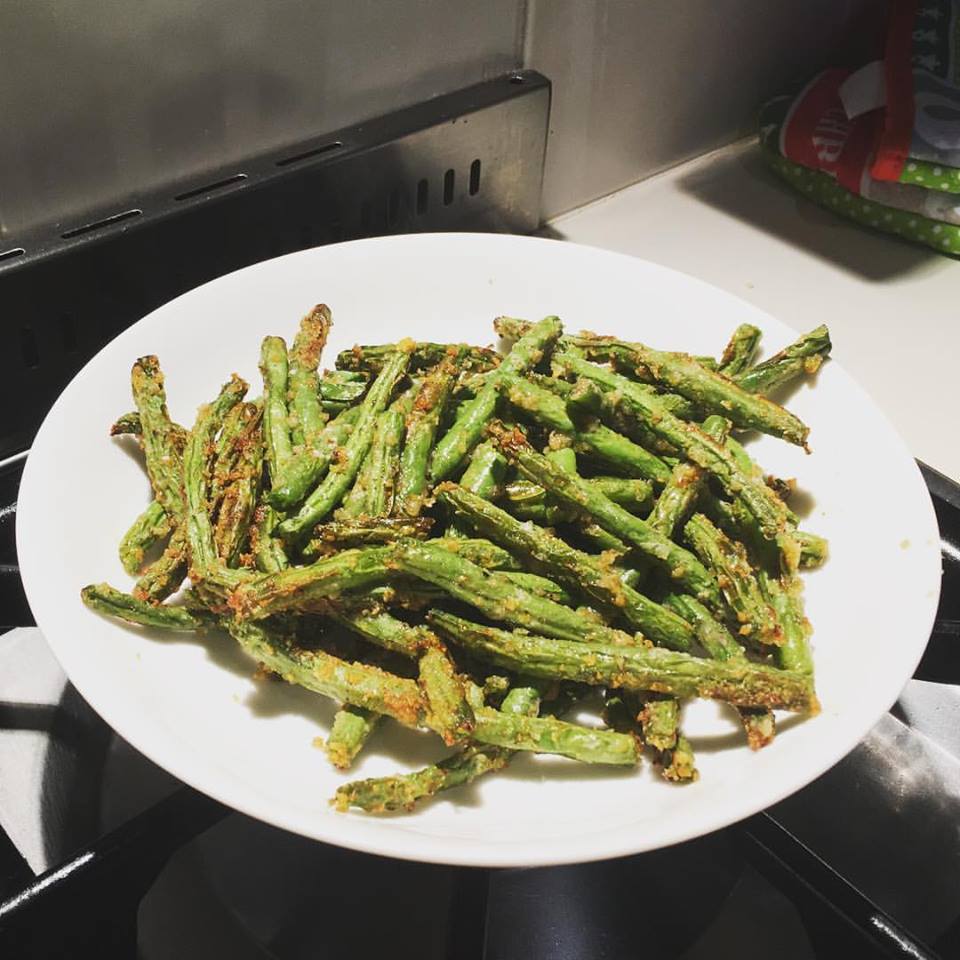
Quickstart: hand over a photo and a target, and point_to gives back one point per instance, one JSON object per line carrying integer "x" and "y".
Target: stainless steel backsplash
{"x": 641, "y": 86}
{"x": 104, "y": 99}
{"x": 101, "y": 99}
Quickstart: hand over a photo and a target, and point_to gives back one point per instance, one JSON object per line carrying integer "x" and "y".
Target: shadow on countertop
{"x": 739, "y": 183}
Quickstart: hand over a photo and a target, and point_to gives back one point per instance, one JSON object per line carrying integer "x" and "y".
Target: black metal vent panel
{"x": 470, "y": 160}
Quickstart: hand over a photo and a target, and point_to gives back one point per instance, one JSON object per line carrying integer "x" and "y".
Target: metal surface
{"x": 886, "y": 818}
{"x": 102, "y": 99}
{"x": 472, "y": 160}
{"x": 643, "y": 86}
{"x": 840, "y": 920}
{"x": 14, "y": 610}
{"x": 83, "y": 894}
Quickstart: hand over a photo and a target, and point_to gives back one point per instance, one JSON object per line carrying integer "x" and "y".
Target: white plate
{"x": 195, "y": 710}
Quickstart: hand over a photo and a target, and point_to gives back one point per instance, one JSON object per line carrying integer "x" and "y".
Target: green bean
{"x": 364, "y": 531}
{"x": 149, "y": 528}
{"x": 422, "y": 427}
{"x": 576, "y": 569}
{"x": 307, "y": 417}
{"x": 276, "y": 418}
{"x": 344, "y": 471}
{"x": 352, "y": 728}
{"x": 728, "y": 561}
{"x": 705, "y": 451}
{"x": 105, "y": 599}
{"x": 497, "y": 596}
{"x": 308, "y": 465}
{"x": 739, "y": 352}
{"x": 238, "y": 503}
{"x": 713, "y": 392}
{"x": 594, "y": 438}
{"x": 802, "y": 357}
{"x": 268, "y": 552}
{"x": 297, "y": 586}
{"x": 159, "y": 436}
{"x": 632, "y": 667}
{"x": 683, "y": 566}
{"x": 372, "y": 358}
{"x": 372, "y": 492}
{"x": 457, "y": 442}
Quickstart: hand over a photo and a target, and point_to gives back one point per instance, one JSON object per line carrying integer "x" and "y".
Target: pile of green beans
{"x": 467, "y": 542}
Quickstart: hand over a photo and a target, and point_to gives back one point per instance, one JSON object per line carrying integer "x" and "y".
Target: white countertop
{"x": 893, "y": 309}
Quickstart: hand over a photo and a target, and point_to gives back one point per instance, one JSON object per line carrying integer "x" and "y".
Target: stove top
{"x": 104, "y": 854}
{"x": 863, "y": 862}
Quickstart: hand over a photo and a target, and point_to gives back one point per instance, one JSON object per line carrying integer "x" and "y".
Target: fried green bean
{"x": 274, "y": 367}
{"x": 402, "y": 792}
{"x": 149, "y": 528}
{"x": 298, "y": 586}
{"x": 372, "y": 491}
{"x": 308, "y": 465}
{"x": 706, "y": 452}
{"x": 205, "y": 564}
{"x": 364, "y": 531}
{"x": 593, "y": 438}
{"x": 163, "y": 577}
{"x": 497, "y": 597}
{"x": 422, "y": 426}
{"x": 238, "y": 502}
{"x": 352, "y": 728}
{"x": 632, "y": 667}
{"x": 163, "y": 449}
{"x": 802, "y": 357}
{"x": 632, "y": 495}
{"x": 660, "y": 722}
{"x": 679, "y": 563}
{"x": 549, "y": 735}
{"x": 228, "y": 447}
{"x": 729, "y": 563}
{"x": 424, "y": 354}
{"x": 342, "y": 386}
{"x": 449, "y": 713}
{"x": 105, "y": 599}
{"x": 758, "y": 722}
{"x": 739, "y": 352}
{"x": 484, "y": 476}
{"x": 307, "y": 417}
{"x": 783, "y": 594}
{"x": 127, "y": 424}
{"x": 579, "y": 571}
{"x": 268, "y": 553}
{"x": 164, "y": 461}
{"x": 485, "y": 472}
{"x": 713, "y": 392}
{"x": 356, "y": 684}
{"x": 460, "y": 439}
{"x": 677, "y": 762}
{"x": 350, "y": 456}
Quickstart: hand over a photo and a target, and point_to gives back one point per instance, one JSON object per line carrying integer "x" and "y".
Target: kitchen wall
{"x": 641, "y": 86}
{"x": 102, "y": 98}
